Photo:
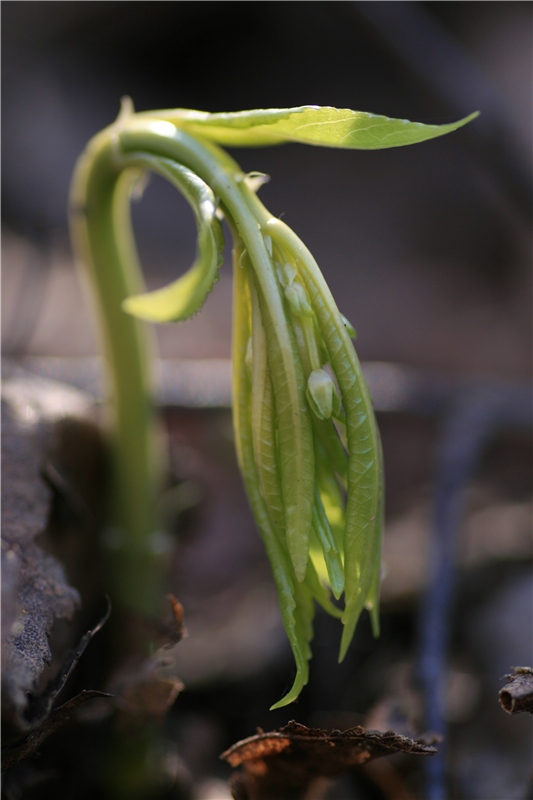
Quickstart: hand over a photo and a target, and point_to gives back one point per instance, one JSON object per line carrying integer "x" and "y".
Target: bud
{"x": 286, "y": 274}
{"x": 352, "y": 333}
{"x": 298, "y": 301}
{"x": 322, "y": 394}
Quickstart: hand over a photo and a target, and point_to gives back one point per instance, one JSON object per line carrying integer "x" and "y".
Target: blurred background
{"x": 427, "y": 250}
{"x": 427, "y": 247}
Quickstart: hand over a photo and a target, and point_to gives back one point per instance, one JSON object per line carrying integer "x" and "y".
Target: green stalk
{"x": 163, "y": 139}
{"x": 103, "y": 241}
{"x": 101, "y": 189}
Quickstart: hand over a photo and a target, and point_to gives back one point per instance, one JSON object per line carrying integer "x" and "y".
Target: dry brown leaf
{"x": 284, "y": 763}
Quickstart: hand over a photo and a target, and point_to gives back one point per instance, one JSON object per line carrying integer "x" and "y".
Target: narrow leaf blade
{"x": 325, "y": 126}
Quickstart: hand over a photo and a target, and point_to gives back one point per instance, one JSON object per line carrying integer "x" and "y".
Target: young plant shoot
{"x": 307, "y": 441}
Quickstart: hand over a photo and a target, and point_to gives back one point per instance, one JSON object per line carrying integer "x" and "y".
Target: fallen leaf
{"x": 283, "y": 763}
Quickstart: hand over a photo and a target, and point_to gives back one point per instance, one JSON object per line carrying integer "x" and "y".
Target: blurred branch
{"x": 476, "y": 418}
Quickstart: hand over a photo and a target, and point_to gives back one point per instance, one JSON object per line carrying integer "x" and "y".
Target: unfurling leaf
{"x": 184, "y": 297}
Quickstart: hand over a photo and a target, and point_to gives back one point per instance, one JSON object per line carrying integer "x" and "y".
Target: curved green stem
{"x": 102, "y": 239}
{"x": 163, "y": 139}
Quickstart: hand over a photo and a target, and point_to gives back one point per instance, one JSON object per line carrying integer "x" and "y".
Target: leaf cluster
{"x": 306, "y": 436}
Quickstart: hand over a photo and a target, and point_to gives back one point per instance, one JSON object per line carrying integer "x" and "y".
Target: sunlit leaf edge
{"x": 324, "y": 126}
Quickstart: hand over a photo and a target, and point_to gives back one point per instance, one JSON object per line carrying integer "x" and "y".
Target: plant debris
{"x": 12, "y": 755}
{"x": 517, "y": 695}
{"x": 283, "y": 763}
{"x": 35, "y": 591}
{"x": 144, "y": 686}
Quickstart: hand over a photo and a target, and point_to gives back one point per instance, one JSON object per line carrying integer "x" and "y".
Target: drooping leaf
{"x": 295, "y": 600}
{"x": 297, "y": 612}
{"x": 319, "y": 125}
{"x": 295, "y": 443}
{"x": 318, "y": 585}
{"x": 328, "y": 545}
{"x": 185, "y": 296}
{"x": 364, "y": 476}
